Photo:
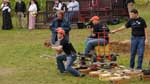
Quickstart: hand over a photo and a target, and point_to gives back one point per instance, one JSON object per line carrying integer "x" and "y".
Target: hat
{"x": 60, "y": 30}
{"x": 95, "y": 18}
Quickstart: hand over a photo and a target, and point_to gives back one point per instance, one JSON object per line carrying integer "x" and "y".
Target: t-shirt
{"x": 67, "y": 47}
{"x": 138, "y": 26}
{"x": 101, "y": 31}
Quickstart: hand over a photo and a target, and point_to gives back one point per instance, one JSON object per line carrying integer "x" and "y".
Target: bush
{"x": 41, "y": 4}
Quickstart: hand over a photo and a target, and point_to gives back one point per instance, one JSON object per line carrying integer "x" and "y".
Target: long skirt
{"x": 31, "y": 21}
{"x": 7, "y": 22}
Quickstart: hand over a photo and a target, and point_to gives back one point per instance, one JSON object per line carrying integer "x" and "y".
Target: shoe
{"x": 131, "y": 69}
{"x": 82, "y": 61}
{"x": 63, "y": 72}
{"x": 89, "y": 55}
{"x": 82, "y": 75}
{"x": 138, "y": 70}
{"x": 85, "y": 55}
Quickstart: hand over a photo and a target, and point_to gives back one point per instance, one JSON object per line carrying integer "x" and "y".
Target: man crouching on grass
{"x": 69, "y": 54}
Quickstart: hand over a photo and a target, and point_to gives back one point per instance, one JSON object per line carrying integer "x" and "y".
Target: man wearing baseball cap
{"x": 69, "y": 54}
{"x": 99, "y": 36}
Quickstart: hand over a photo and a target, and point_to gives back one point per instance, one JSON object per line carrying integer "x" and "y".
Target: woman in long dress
{"x": 32, "y": 14}
{"x": 6, "y": 16}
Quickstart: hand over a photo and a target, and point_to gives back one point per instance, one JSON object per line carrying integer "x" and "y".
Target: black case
{"x": 147, "y": 72}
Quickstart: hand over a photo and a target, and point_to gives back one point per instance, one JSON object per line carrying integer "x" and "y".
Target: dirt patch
{"x": 5, "y": 71}
{"x": 120, "y": 46}
{"x": 124, "y": 47}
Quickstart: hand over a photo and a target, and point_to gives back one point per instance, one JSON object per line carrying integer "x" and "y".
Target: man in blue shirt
{"x": 59, "y": 22}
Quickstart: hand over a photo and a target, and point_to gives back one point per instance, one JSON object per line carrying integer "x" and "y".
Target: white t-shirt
{"x": 73, "y": 6}
{"x": 32, "y": 8}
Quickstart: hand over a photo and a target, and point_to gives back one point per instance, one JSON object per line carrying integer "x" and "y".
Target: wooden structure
{"x": 106, "y": 9}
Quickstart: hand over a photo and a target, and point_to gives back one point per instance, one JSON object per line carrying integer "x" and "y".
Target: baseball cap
{"x": 60, "y": 30}
{"x": 95, "y": 18}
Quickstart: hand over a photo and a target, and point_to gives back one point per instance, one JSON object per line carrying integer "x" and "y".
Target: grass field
{"x": 20, "y": 51}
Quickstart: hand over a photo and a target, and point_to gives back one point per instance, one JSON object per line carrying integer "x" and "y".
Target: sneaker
{"x": 63, "y": 72}
{"x": 138, "y": 70}
{"x": 81, "y": 75}
{"x": 131, "y": 69}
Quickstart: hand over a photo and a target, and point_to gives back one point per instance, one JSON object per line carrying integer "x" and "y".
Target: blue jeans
{"x": 69, "y": 62}
{"x": 69, "y": 15}
{"x": 91, "y": 43}
{"x": 137, "y": 46}
{"x": 54, "y": 37}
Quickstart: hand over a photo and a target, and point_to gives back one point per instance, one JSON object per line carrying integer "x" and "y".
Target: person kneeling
{"x": 69, "y": 54}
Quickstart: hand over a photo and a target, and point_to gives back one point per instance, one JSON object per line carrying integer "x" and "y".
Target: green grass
{"x": 20, "y": 51}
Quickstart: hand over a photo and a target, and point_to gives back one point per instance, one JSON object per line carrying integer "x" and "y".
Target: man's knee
{"x": 58, "y": 58}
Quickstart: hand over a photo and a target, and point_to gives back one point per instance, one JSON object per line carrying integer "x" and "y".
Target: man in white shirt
{"x": 73, "y": 7}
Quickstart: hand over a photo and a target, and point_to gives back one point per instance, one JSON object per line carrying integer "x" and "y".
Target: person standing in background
{"x": 20, "y": 9}
{"x": 130, "y": 4}
{"x": 57, "y": 5}
{"x": 6, "y": 16}
{"x": 58, "y": 22}
{"x": 37, "y": 5}
{"x": 73, "y": 7}
{"x": 64, "y": 7}
{"x": 32, "y": 14}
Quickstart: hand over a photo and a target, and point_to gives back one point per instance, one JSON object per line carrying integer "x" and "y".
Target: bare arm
{"x": 119, "y": 29}
{"x": 57, "y": 47}
{"x": 146, "y": 36}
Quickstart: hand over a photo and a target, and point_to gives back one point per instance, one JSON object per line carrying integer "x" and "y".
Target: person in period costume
{"x": 6, "y": 16}
{"x": 32, "y": 14}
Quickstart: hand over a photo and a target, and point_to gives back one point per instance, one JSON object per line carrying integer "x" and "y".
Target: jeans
{"x": 137, "y": 46}
{"x": 91, "y": 43}
{"x": 54, "y": 37}
{"x": 69, "y": 16}
{"x": 69, "y": 62}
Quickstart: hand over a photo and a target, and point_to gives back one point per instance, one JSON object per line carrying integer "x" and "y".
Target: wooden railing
{"x": 41, "y": 20}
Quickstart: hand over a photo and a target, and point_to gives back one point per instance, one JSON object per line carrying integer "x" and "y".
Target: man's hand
{"x": 93, "y": 34}
{"x": 146, "y": 41}
{"x": 47, "y": 44}
{"x": 119, "y": 29}
{"x": 113, "y": 31}
{"x": 58, "y": 49}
